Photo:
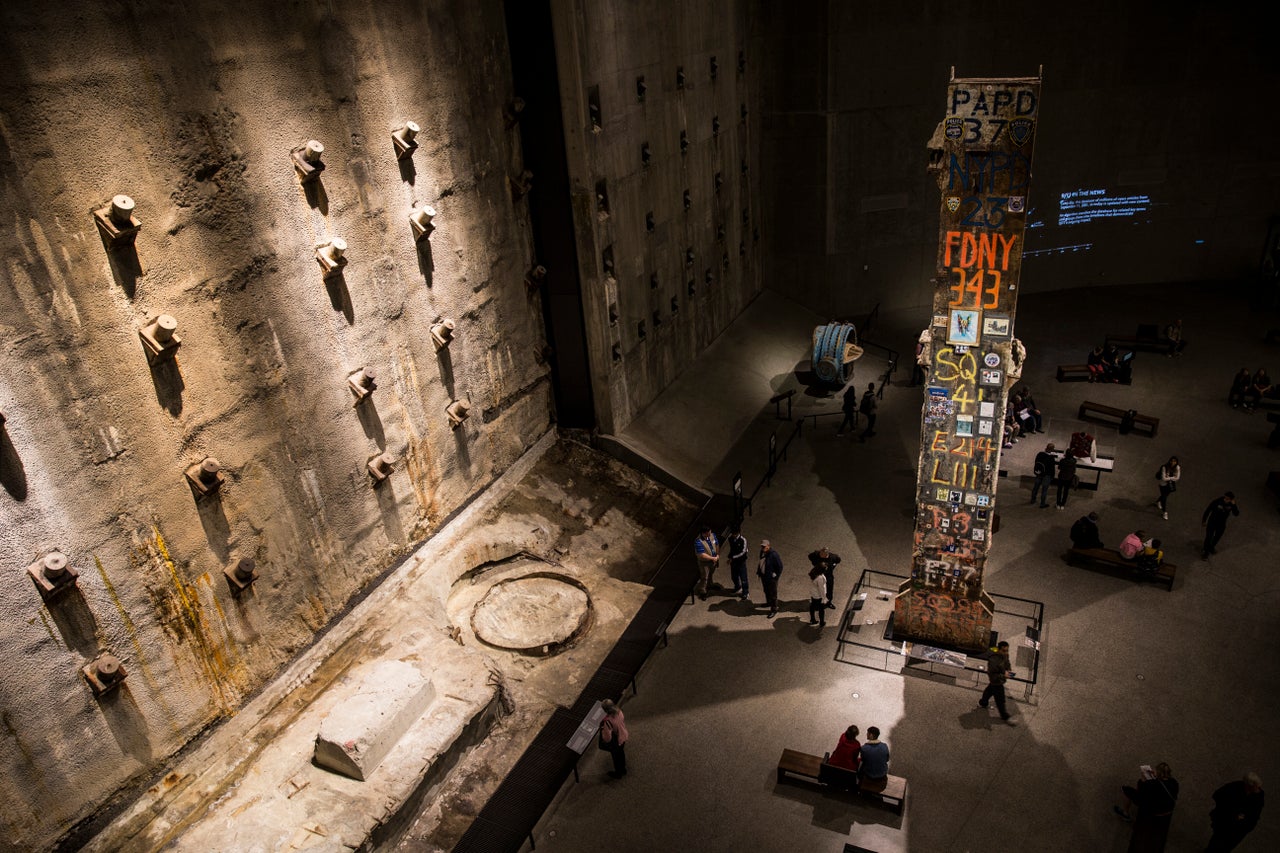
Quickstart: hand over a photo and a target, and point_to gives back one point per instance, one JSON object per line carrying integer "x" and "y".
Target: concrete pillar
{"x": 981, "y": 157}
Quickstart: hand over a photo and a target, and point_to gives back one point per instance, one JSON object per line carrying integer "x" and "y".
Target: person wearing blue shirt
{"x": 874, "y": 770}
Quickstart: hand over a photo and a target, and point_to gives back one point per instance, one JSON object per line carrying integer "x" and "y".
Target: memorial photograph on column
{"x": 981, "y": 156}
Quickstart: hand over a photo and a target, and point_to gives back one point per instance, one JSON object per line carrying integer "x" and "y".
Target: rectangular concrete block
{"x": 380, "y": 702}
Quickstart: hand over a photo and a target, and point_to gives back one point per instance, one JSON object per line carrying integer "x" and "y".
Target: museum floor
{"x": 1130, "y": 674}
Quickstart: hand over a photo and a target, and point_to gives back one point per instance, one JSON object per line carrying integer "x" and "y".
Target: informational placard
{"x": 981, "y": 157}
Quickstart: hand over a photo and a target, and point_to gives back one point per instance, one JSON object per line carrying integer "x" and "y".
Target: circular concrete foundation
{"x": 540, "y": 613}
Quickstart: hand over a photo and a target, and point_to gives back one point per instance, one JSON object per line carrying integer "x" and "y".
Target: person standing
{"x": 825, "y": 562}
{"x": 738, "y": 552}
{"x": 874, "y": 770}
{"x": 1168, "y": 475}
{"x": 998, "y": 671}
{"x": 868, "y": 408}
{"x": 706, "y": 549}
{"x": 1236, "y": 809}
{"x": 1066, "y": 478}
{"x": 614, "y": 737}
{"x": 1155, "y": 796}
{"x": 1239, "y": 388}
{"x": 1173, "y": 333}
{"x": 769, "y": 570}
{"x": 848, "y": 752}
{"x": 1214, "y": 521}
{"x": 1043, "y": 469}
{"x": 849, "y": 405}
{"x": 817, "y": 591}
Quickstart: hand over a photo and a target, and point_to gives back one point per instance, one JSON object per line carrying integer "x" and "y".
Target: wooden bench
{"x": 813, "y": 768}
{"x": 1145, "y": 424}
{"x": 1147, "y": 338}
{"x": 1109, "y": 557}
{"x": 1073, "y": 373}
{"x": 1081, "y": 373}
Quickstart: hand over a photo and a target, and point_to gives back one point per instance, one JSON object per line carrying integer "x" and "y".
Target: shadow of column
{"x": 464, "y": 452}
{"x": 426, "y": 263}
{"x": 371, "y": 423}
{"x": 167, "y": 379}
{"x": 390, "y": 510}
{"x": 214, "y": 521}
{"x": 75, "y": 622}
{"x": 317, "y": 198}
{"x": 340, "y": 297}
{"x": 446, "y": 370}
{"x": 12, "y": 472}
{"x": 408, "y": 172}
{"x": 128, "y": 726}
{"x": 126, "y": 268}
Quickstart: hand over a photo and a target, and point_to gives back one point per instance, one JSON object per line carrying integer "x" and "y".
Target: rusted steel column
{"x": 981, "y": 157}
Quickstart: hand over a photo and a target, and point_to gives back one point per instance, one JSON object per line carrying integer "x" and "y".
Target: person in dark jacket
{"x": 848, "y": 752}
{"x": 998, "y": 671}
{"x": 1239, "y": 386}
{"x": 1214, "y": 521}
{"x": 769, "y": 570}
{"x": 868, "y": 408}
{"x": 738, "y": 554}
{"x": 825, "y": 561}
{"x": 1043, "y": 468}
{"x": 1066, "y": 478}
{"x": 1155, "y": 796}
{"x": 849, "y": 405}
{"x": 1236, "y": 809}
{"x": 1084, "y": 533}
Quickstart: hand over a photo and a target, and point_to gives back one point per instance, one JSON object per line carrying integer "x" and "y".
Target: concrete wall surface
{"x": 1153, "y": 111}
{"x": 193, "y": 110}
{"x": 666, "y": 241}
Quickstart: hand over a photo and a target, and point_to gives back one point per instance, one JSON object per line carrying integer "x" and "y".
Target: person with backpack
{"x": 1043, "y": 469}
{"x": 868, "y": 408}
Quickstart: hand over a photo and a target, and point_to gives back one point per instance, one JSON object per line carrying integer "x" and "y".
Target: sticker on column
{"x": 991, "y": 377}
{"x": 984, "y": 425}
{"x": 995, "y": 325}
{"x": 963, "y": 328}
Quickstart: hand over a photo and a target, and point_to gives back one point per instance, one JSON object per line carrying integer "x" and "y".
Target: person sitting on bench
{"x": 1258, "y": 388}
{"x": 1084, "y": 533}
{"x": 874, "y": 772}
{"x": 1150, "y": 558}
{"x": 1029, "y": 417}
{"x": 1239, "y": 388}
{"x": 848, "y": 752}
{"x": 1097, "y": 367}
{"x": 1133, "y": 544}
{"x": 1111, "y": 364}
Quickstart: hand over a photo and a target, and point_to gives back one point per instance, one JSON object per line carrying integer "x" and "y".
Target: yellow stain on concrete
{"x": 139, "y": 659}
{"x": 223, "y": 668}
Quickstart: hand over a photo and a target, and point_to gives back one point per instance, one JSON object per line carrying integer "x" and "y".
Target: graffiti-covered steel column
{"x": 981, "y": 156}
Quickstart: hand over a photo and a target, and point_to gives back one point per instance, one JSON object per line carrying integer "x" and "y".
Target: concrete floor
{"x": 1129, "y": 674}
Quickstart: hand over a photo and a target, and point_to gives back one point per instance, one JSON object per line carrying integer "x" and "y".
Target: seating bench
{"x": 1136, "y": 343}
{"x": 1081, "y": 373}
{"x": 1073, "y": 373}
{"x": 814, "y": 768}
{"x": 1165, "y": 574}
{"x": 1146, "y": 424}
